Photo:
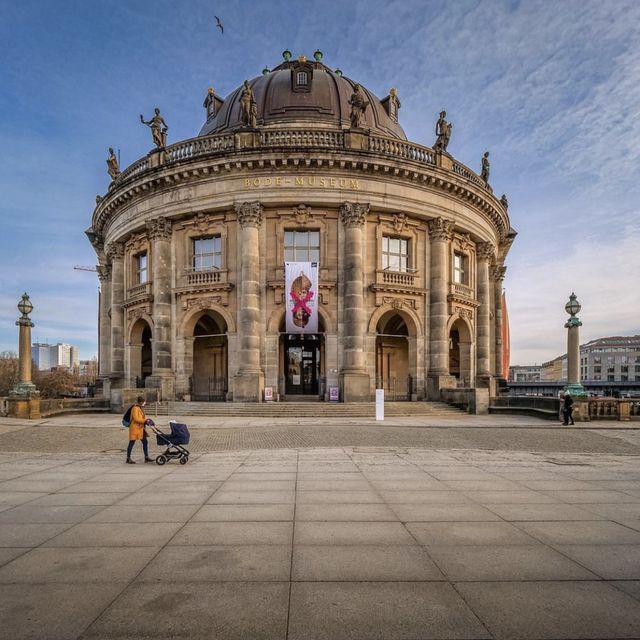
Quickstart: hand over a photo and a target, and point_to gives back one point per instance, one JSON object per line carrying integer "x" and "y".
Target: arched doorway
{"x": 302, "y": 364}
{"x": 209, "y": 380}
{"x": 460, "y": 352}
{"x": 140, "y": 358}
{"x": 392, "y": 357}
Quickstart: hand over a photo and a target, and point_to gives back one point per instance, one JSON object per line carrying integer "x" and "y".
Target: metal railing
{"x": 208, "y": 389}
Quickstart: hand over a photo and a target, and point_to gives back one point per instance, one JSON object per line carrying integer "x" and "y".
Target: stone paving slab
{"x": 553, "y": 610}
{"x": 236, "y": 545}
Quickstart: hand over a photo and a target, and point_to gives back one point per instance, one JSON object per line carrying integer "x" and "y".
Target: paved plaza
{"x": 470, "y": 527}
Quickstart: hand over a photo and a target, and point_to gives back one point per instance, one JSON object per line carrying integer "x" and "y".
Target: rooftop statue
{"x": 210, "y": 103}
{"x": 158, "y": 128}
{"x": 113, "y": 168}
{"x": 358, "y": 107}
{"x": 486, "y": 167}
{"x": 248, "y": 107}
{"x": 504, "y": 201}
{"x": 443, "y": 133}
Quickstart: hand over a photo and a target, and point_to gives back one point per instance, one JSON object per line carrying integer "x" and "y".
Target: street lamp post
{"x": 573, "y": 324}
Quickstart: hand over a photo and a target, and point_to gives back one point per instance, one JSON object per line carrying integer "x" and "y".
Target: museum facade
{"x": 299, "y": 166}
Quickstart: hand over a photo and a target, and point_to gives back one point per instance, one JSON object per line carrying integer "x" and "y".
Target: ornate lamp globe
{"x": 24, "y": 306}
{"x": 573, "y": 306}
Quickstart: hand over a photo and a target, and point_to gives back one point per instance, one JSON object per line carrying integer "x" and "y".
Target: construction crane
{"x": 82, "y": 267}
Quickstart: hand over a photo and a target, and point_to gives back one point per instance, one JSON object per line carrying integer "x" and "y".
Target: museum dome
{"x": 300, "y": 93}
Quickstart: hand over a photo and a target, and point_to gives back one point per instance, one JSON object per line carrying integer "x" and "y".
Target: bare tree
{"x": 9, "y": 373}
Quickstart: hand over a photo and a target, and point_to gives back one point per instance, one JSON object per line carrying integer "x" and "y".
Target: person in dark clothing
{"x": 567, "y": 409}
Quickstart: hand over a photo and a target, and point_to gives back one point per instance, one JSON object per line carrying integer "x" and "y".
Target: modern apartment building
{"x": 47, "y": 356}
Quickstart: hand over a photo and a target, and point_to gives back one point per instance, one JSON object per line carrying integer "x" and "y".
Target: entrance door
{"x": 302, "y": 364}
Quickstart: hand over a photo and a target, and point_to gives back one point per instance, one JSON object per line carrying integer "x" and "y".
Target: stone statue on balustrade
{"x": 358, "y": 107}
{"x": 443, "y": 133}
{"x": 113, "y": 167}
{"x": 504, "y": 202}
{"x": 158, "y": 128}
{"x": 486, "y": 168}
{"x": 248, "y": 107}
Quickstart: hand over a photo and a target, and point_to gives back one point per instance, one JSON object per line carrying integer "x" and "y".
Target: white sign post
{"x": 379, "y": 404}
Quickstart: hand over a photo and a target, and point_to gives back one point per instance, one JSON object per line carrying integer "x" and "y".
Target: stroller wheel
{"x": 161, "y": 460}
{"x": 184, "y": 459}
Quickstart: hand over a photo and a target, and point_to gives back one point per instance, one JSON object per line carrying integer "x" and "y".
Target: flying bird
{"x": 219, "y": 24}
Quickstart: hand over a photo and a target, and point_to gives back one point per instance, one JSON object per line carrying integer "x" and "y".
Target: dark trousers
{"x": 568, "y": 415}
{"x": 145, "y": 447}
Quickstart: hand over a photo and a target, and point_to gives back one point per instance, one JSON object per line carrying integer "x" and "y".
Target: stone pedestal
{"x": 436, "y": 382}
{"x": 356, "y": 387}
{"x": 356, "y": 139}
{"x": 444, "y": 161}
{"x": 580, "y": 408}
{"x": 247, "y": 139}
{"x": 26, "y": 407}
{"x": 248, "y": 386}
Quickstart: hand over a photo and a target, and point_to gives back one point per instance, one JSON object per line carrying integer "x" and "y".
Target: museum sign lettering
{"x": 304, "y": 181}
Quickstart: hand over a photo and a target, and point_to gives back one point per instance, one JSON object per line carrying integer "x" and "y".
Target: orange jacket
{"x": 136, "y": 428}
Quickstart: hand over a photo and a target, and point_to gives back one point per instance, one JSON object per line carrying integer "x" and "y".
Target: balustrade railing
{"x": 401, "y": 149}
{"x": 323, "y": 138}
{"x": 603, "y": 409}
{"x": 213, "y": 276}
{"x": 462, "y": 290}
{"x": 139, "y": 290}
{"x": 398, "y": 278}
{"x": 465, "y": 172}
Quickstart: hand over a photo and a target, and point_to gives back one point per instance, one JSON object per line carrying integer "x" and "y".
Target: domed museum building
{"x": 299, "y": 245}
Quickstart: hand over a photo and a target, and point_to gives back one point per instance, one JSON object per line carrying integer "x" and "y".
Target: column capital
{"x": 354, "y": 214}
{"x": 115, "y": 251}
{"x": 104, "y": 272}
{"x": 250, "y": 214}
{"x": 440, "y": 229}
{"x": 498, "y": 273}
{"x": 160, "y": 228}
{"x": 486, "y": 251}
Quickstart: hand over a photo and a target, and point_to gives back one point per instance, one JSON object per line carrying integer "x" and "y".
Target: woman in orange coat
{"x": 137, "y": 431}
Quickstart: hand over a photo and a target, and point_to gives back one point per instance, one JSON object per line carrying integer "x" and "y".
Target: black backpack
{"x": 126, "y": 418}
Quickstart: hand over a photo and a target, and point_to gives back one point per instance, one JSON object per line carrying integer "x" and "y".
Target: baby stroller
{"x": 179, "y": 435}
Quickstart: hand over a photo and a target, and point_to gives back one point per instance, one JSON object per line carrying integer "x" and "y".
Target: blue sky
{"x": 551, "y": 89}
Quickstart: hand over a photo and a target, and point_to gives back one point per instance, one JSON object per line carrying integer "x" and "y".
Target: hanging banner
{"x": 301, "y": 292}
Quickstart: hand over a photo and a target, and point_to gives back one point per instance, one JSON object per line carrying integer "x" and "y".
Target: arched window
{"x": 302, "y": 80}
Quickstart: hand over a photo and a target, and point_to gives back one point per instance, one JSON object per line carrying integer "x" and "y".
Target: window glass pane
{"x": 288, "y": 255}
{"x": 314, "y": 238}
{"x": 288, "y": 238}
{"x": 385, "y": 244}
{"x": 301, "y": 239}
{"x": 394, "y": 245}
{"x": 394, "y": 262}
{"x": 217, "y": 244}
{"x": 314, "y": 255}
{"x": 403, "y": 246}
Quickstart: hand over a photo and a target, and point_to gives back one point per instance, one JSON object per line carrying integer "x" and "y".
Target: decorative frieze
{"x": 104, "y": 272}
{"x": 136, "y": 243}
{"x": 250, "y": 214}
{"x": 115, "y": 251}
{"x": 201, "y": 303}
{"x": 160, "y": 228}
{"x": 486, "y": 251}
{"x": 498, "y": 273}
{"x": 354, "y": 214}
{"x": 464, "y": 242}
{"x": 440, "y": 229}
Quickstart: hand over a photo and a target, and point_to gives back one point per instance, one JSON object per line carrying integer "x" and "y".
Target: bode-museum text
{"x": 304, "y": 181}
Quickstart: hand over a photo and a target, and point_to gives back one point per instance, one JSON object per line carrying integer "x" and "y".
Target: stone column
{"x": 354, "y": 379}
{"x": 248, "y": 383}
{"x": 485, "y": 252}
{"x": 115, "y": 253}
{"x": 162, "y": 376}
{"x": 498, "y": 274}
{"x": 440, "y": 232}
{"x": 104, "y": 355}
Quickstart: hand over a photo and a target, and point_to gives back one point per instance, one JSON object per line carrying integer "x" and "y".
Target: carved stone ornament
{"x": 201, "y": 303}
{"x": 301, "y": 214}
{"x": 249, "y": 214}
{"x": 138, "y": 312}
{"x": 399, "y": 222}
{"x": 485, "y": 250}
{"x": 136, "y": 243}
{"x": 159, "y": 228}
{"x": 397, "y": 303}
{"x": 440, "y": 229}
{"x": 354, "y": 214}
{"x": 464, "y": 242}
{"x": 464, "y": 313}
{"x": 499, "y": 273}
{"x": 202, "y": 222}
{"x": 115, "y": 251}
{"x": 104, "y": 272}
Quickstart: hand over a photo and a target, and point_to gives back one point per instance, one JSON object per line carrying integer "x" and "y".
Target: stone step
{"x": 300, "y": 409}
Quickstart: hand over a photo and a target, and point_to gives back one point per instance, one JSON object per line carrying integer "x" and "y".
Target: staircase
{"x": 300, "y": 409}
